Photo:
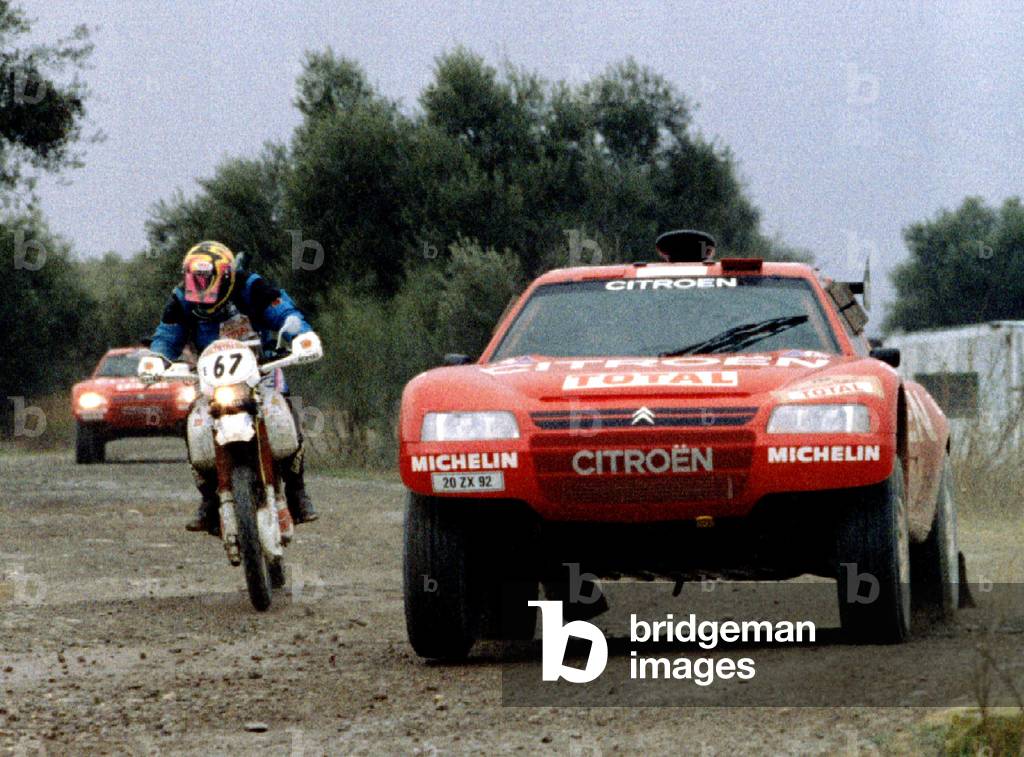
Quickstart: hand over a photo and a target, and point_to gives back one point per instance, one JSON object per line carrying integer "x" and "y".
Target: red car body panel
{"x": 581, "y": 457}
{"x": 132, "y": 408}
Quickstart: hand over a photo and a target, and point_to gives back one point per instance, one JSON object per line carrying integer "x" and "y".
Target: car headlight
{"x": 463, "y": 427}
{"x": 820, "y": 419}
{"x": 91, "y": 400}
{"x": 187, "y": 394}
{"x": 230, "y": 395}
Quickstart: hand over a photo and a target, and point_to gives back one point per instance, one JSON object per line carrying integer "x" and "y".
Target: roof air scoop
{"x": 686, "y": 246}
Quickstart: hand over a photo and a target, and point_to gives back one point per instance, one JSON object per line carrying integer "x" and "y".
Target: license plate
{"x": 490, "y": 481}
{"x": 144, "y": 411}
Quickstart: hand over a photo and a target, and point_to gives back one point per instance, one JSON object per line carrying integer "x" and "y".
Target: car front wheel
{"x": 873, "y": 568}
{"x": 90, "y": 446}
{"x": 442, "y": 617}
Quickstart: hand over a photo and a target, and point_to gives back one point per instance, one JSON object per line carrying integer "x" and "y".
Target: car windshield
{"x": 669, "y": 316}
{"x": 119, "y": 365}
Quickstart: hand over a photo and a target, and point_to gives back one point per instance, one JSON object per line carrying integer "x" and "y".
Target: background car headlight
{"x": 820, "y": 419}
{"x": 91, "y": 400}
{"x": 461, "y": 427}
{"x": 187, "y": 394}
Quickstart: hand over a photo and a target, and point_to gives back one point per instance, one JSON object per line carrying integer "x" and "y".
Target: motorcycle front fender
{"x": 236, "y": 427}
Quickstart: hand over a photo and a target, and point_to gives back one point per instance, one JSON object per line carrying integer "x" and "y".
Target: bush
{"x": 995, "y": 734}
{"x": 373, "y": 346}
{"x": 48, "y": 314}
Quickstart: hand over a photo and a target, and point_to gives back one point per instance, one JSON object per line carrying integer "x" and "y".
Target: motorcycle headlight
{"x": 820, "y": 419}
{"x": 230, "y": 395}
{"x": 91, "y": 400}
{"x": 464, "y": 427}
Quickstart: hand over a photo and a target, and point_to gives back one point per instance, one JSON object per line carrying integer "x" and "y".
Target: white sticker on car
{"x": 823, "y": 387}
{"x": 464, "y": 461}
{"x": 703, "y": 282}
{"x": 590, "y": 381}
{"x": 835, "y": 453}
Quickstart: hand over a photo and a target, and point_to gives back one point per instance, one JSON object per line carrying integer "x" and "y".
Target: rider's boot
{"x": 299, "y": 503}
{"x": 301, "y": 506}
{"x": 207, "y": 517}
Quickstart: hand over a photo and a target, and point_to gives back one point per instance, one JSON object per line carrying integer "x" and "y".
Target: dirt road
{"x": 123, "y": 633}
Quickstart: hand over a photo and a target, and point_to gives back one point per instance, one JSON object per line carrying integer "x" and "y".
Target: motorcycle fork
{"x": 228, "y": 525}
{"x": 272, "y": 483}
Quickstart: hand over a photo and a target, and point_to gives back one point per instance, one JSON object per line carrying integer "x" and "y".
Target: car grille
{"x": 589, "y": 420}
{"x": 552, "y": 454}
{"x": 147, "y": 399}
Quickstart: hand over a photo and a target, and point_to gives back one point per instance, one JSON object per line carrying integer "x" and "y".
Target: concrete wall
{"x": 992, "y": 353}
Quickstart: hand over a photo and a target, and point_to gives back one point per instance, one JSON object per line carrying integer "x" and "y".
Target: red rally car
{"x": 113, "y": 403}
{"x": 682, "y": 419}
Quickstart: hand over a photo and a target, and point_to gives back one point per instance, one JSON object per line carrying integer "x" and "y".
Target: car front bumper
{"x": 637, "y": 477}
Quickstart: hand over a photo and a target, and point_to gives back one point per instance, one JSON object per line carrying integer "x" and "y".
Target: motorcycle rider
{"x": 217, "y": 300}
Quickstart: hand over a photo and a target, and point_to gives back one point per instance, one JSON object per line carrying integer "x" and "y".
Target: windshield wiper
{"x": 740, "y": 337}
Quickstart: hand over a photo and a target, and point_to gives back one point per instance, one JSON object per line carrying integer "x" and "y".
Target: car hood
{"x": 528, "y": 382}
{"x": 112, "y": 385}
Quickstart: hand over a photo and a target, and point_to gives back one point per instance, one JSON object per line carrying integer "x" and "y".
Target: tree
{"x": 370, "y": 194}
{"x": 636, "y": 112}
{"x": 475, "y": 289}
{"x": 328, "y": 84}
{"x": 47, "y": 311}
{"x": 490, "y": 115}
{"x": 348, "y": 192}
{"x": 965, "y": 266}
{"x": 241, "y": 206}
{"x": 41, "y": 111}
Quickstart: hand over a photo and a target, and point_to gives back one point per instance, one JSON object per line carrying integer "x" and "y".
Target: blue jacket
{"x": 255, "y": 308}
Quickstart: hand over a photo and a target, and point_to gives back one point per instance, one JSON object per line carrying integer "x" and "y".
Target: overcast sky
{"x": 847, "y": 123}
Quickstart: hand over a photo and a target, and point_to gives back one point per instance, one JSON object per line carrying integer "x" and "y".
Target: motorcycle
{"x": 239, "y": 428}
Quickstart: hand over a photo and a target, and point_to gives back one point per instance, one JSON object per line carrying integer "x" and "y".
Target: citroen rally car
{"x": 690, "y": 418}
{"x": 113, "y": 403}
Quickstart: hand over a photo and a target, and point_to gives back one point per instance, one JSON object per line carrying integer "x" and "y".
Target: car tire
{"x": 873, "y": 550}
{"x": 90, "y": 447}
{"x": 509, "y": 579}
{"x": 508, "y": 612}
{"x": 442, "y": 617}
{"x": 935, "y": 564}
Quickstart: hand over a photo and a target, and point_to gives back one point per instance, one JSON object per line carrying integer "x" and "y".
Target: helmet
{"x": 209, "y": 273}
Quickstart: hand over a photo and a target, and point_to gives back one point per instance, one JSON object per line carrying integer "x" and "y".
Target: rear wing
{"x": 842, "y": 294}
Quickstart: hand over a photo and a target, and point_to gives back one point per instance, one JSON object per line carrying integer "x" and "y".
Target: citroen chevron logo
{"x": 643, "y": 415}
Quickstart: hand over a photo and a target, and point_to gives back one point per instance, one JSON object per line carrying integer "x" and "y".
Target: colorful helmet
{"x": 209, "y": 273}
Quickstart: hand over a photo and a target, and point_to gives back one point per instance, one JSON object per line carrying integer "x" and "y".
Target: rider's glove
{"x": 307, "y": 347}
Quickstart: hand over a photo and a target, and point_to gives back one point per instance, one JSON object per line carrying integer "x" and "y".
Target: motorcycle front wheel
{"x": 246, "y": 487}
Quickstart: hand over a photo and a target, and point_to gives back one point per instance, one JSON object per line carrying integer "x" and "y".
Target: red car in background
{"x": 113, "y": 403}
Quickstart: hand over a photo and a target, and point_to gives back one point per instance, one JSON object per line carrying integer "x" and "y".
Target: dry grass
{"x": 968, "y": 733}
{"x": 59, "y": 429}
